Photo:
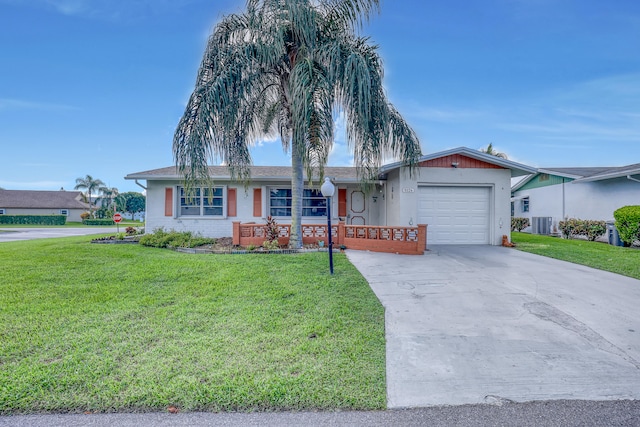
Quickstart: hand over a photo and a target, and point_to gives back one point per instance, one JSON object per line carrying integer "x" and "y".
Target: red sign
{"x": 117, "y": 218}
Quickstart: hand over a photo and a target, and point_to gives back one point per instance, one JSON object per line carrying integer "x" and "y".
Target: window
{"x": 525, "y": 204}
{"x": 64, "y": 212}
{"x": 313, "y": 202}
{"x": 202, "y": 202}
{"x": 1, "y": 211}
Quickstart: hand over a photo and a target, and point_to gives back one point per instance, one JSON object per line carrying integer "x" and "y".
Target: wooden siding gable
{"x": 461, "y": 162}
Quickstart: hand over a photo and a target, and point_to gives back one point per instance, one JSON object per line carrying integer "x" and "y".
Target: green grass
{"x": 625, "y": 261}
{"x": 106, "y": 328}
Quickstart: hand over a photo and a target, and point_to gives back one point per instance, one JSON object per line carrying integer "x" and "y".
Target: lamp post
{"x": 327, "y": 190}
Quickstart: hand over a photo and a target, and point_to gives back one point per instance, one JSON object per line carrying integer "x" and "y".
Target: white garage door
{"x": 455, "y": 215}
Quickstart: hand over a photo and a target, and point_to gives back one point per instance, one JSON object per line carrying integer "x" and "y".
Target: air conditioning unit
{"x": 541, "y": 225}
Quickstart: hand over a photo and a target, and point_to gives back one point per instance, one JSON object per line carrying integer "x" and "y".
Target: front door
{"x": 358, "y": 214}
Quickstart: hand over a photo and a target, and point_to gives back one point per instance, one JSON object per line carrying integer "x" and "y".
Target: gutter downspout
{"x": 633, "y": 179}
{"x": 139, "y": 185}
{"x": 563, "y": 200}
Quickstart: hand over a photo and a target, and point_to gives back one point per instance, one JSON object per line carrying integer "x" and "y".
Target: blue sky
{"x": 97, "y": 86}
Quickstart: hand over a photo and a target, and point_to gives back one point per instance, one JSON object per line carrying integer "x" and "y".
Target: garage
{"x": 455, "y": 215}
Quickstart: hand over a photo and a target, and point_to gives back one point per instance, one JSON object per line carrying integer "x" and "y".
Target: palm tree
{"x": 89, "y": 184}
{"x": 286, "y": 68}
{"x": 108, "y": 196}
{"x": 489, "y": 150}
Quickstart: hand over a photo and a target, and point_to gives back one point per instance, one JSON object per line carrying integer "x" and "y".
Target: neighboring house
{"x": 28, "y": 202}
{"x": 584, "y": 193}
{"x": 461, "y": 194}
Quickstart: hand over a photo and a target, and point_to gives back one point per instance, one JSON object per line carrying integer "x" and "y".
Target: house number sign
{"x": 408, "y": 190}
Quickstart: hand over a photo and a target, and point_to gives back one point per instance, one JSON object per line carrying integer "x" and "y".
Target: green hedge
{"x": 628, "y": 223}
{"x": 34, "y": 219}
{"x": 591, "y": 229}
{"x": 98, "y": 222}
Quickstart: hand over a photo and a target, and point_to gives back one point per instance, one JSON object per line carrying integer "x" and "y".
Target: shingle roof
{"x": 28, "y": 199}
{"x": 342, "y": 174}
{"x": 595, "y": 173}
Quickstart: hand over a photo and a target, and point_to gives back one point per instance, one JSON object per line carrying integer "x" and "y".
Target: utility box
{"x": 541, "y": 225}
{"x": 612, "y": 234}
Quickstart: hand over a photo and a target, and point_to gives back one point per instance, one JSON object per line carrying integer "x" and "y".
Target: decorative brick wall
{"x": 391, "y": 239}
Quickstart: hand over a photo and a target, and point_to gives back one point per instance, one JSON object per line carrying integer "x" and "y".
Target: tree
{"x": 491, "y": 151}
{"x": 286, "y": 68}
{"x": 108, "y": 196}
{"x": 89, "y": 184}
{"x": 131, "y": 202}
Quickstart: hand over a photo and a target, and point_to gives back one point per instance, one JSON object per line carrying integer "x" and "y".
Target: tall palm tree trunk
{"x": 297, "y": 194}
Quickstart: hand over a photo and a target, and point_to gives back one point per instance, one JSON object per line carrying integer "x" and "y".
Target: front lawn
{"x": 106, "y": 328}
{"x": 598, "y": 255}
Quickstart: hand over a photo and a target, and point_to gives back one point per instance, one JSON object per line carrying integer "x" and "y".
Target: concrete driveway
{"x": 485, "y": 324}
{"x": 14, "y": 234}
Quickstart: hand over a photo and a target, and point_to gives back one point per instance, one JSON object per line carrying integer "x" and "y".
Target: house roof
{"x": 611, "y": 173}
{"x": 584, "y": 174}
{"x": 29, "y": 199}
{"x": 265, "y": 173}
{"x": 517, "y": 169}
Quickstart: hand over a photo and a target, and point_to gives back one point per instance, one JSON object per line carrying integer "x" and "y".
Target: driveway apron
{"x": 486, "y": 324}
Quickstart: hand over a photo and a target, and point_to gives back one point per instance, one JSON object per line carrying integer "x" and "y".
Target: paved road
{"x": 468, "y": 325}
{"x": 532, "y": 414}
{"x": 14, "y": 234}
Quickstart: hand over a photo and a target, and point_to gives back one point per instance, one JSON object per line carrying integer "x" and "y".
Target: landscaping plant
{"x": 519, "y": 224}
{"x": 590, "y": 229}
{"x": 628, "y": 223}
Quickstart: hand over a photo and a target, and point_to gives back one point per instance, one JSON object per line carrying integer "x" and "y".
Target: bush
{"x": 628, "y": 223}
{"x": 590, "y": 229}
{"x": 131, "y": 231}
{"x": 519, "y": 224}
{"x": 85, "y": 215}
{"x": 98, "y": 222}
{"x": 33, "y": 219}
{"x": 174, "y": 239}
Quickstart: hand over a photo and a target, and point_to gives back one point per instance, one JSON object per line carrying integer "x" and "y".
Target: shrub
{"x": 271, "y": 245}
{"x": 33, "y": 219}
{"x": 628, "y": 223}
{"x": 97, "y": 221}
{"x": 519, "y": 224}
{"x": 594, "y": 229}
{"x": 272, "y": 230}
{"x": 174, "y": 239}
{"x": 85, "y": 215}
{"x": 590, "y": 229}
{"x": 131, "y": 231}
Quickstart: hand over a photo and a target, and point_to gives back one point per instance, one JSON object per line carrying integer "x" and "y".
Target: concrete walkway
{"x": 484, "y": 324}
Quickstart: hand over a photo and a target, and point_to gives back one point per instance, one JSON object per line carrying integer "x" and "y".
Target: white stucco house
{"x": 553, "y": 194}
{"x": 463, "y": 195}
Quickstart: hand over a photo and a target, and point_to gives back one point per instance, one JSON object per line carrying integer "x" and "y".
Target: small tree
{"x": 131, "y": 202}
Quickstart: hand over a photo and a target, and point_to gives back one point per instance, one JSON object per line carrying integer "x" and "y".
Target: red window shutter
{"x": 257, "y": 202}
{"x": 231, "y": 202}
{"x": 342, "y": 202}
{"x": 168, "y": 201}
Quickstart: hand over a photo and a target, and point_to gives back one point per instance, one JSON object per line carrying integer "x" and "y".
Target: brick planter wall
{"x": 382, "y": 238}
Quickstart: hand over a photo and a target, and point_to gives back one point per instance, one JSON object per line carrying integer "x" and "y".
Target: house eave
{"x": 517, "y": 169}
